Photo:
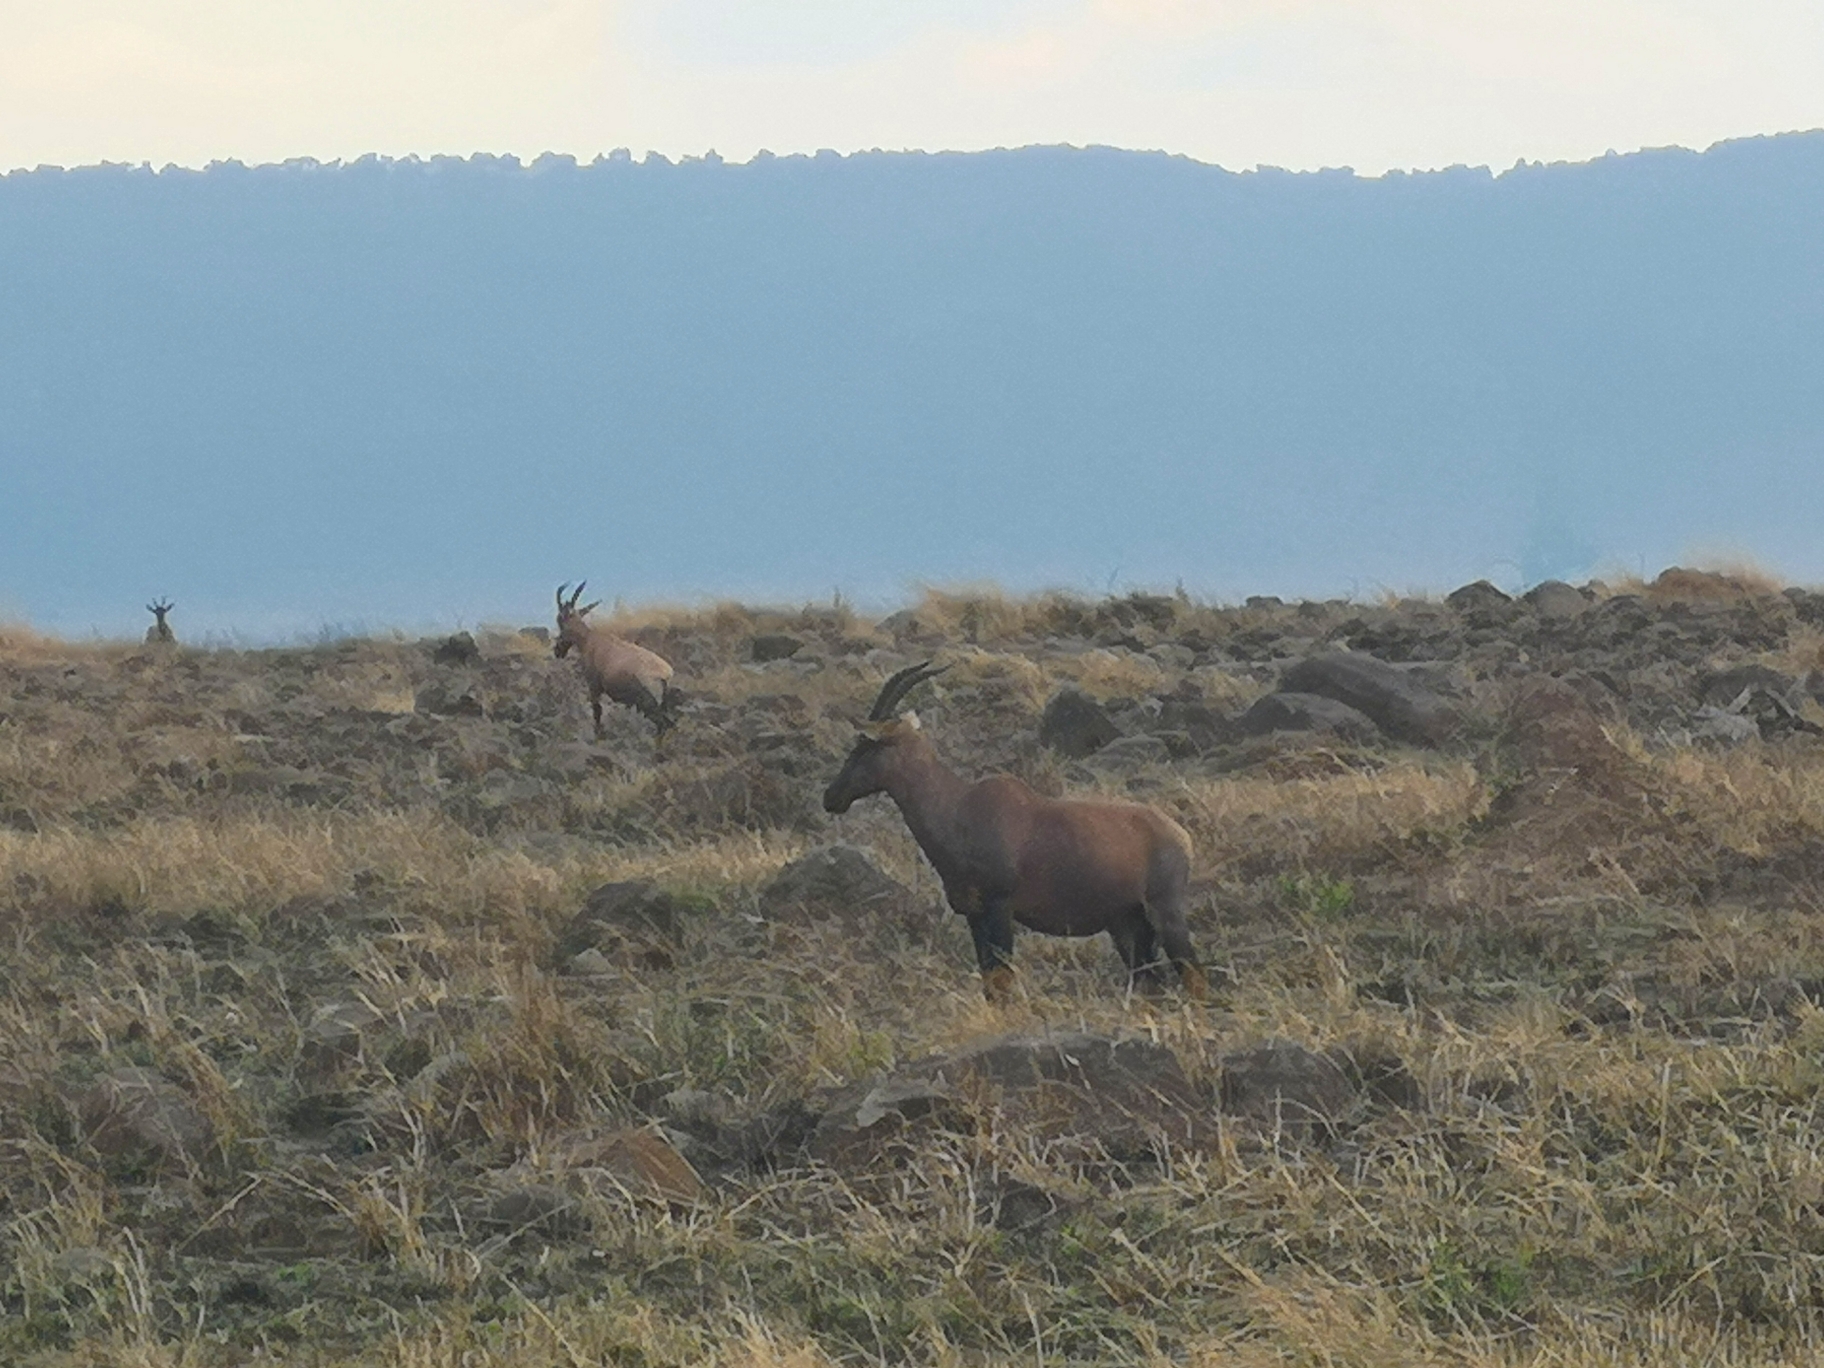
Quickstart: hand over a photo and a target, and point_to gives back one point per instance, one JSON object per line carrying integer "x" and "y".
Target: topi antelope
{"x": 1006, "y": 854}
{"x": 624, "y": 672}
{"x": 160, "y": 633}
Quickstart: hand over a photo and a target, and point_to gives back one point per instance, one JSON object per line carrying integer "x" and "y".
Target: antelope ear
{"x": 587, "y": 606}
{"x": 892, "y": 727}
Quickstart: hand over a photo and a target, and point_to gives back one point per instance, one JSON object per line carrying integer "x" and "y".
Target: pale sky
{"x": 1371, "y": 84}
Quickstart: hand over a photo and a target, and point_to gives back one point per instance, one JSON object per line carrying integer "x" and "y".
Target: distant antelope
{"x": 619, "y": 669}
{"x": 1006, "y": 854}
{"x": 160, "y": 633}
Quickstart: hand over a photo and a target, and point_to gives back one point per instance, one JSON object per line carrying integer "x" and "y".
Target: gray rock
{"x": 451, "y": 697}
{"x": 1555, "y": 601}
{"x": 775, "y": 646}
{"x": 1721, "y": 725}
{"x": 1725, "y": 688}
{"x": 335, "y": 1035}
{"x": 1130, "y": 753}
{"x": 135, "y": 1111}
{"x": 1399, "y": 704}
{"x": 1173, "y": 655}
{"x": 836, "y": 880}
{"x": 1286, "y": 1089}
{"x": 633, "y": 923}
{"x": 1099, "y": 1095}
{"x": 1075, "y": 725}
{"x": 1481, "y": 602}
{"x": 1303, "y": 712}
{"x": 459, "y": 649}
{"x": 537, "y": 1209}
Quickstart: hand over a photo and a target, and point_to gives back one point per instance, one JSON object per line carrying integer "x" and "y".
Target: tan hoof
{"x": 1196, "y": 983}
{"x": 997, "y": 984}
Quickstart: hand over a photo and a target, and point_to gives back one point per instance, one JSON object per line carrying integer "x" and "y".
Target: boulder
{"x": 775, "y": 646}
{"x": 449, "y": 697}
{"x": 1726, "y": 688}
{"x": 1114, "y": 1097}
{"x": 638, "y": 1161}
{"x": 1075, "y": 725}
{"x": 1724, "y": 727}
{"x": 333, "y": 1039}
{"x": 1204, "y": 726}
{"x": 459, "y": 649}
{"x": 1481, "y": 603}
{"x": 1308, "y": 712}
{"x": 836, "y": 880}
{"x": 1555, "y": 601}
{"x": 1399, "y": 704}
{"x": 632, "y": 924}
{"x": 136, "y": 1112}
{"x": 537, "y": 1209}
{"x": 1126, "y": 753}
{"x": 1287, "y": 1090}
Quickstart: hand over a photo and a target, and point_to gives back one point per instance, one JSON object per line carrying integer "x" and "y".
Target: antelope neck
{"x": 927, "y": 793}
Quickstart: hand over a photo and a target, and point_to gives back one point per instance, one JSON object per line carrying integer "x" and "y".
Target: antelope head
{"x": 882, "y": 737}
{"x": 158, "y": 608}
{"x": 571, "y": 629}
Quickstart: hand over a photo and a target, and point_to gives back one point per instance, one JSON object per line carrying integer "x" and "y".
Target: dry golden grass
{"x": 1617, "y": 1161}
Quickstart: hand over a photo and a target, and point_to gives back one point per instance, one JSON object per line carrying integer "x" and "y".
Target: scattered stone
{"x": 590, "y": 962}
{"x": 1680, "y": 582}
{"x": 775, "y": 646}
{"x": 1398, "y": 703}
{"x": 1724, "y": 688}
{"x": 1725, "y": 727}
{"x": 1286, "y": 1089}
{"x": 459, "y": 649}
{"x": 640, "y": 1162}
{"x": 1555, "y": 601}
{"x": 333, "y": 1039}
{"x": 632, "y": 924}
{"x": 1380, "y": 1075}
{"x": 538, "y": 1209}
{"x": 836, "y": 880}
{"x": 1308, "y": 712}
{"x": 1018, "y": 1207}
{"x": 449, "y": 698}
{"x": 1126, "y": 753}
{"x": 1482, "y": 603}
{"x": 1075, "y": 725}
{"x": 694, "y": 1108}
{"x": 1110, "y": 1096}
{"x": 135, "y": 1111}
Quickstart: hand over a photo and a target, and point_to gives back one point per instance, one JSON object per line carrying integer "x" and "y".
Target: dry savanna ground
{"x": 357, "y": 1008}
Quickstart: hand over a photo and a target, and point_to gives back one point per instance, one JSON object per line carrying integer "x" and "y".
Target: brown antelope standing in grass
{"x": 622, "y": 671}
{"x": 1006, "y": 854}
{"x": 160, "y": 633}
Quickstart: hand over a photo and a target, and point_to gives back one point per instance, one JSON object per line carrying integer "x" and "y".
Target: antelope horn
{"x": 898, "y": 686}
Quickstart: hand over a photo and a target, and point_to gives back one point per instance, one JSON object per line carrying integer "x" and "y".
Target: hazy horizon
{"x": 402, "y": 393}
{"x": 1306, "y": 84}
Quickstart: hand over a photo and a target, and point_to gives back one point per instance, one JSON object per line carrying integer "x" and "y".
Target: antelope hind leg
{"x": 992, "y": 931}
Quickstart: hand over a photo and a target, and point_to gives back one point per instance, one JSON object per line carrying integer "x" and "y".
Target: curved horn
{"x": 900, "y": 684}
{"x": 560, "y": 595}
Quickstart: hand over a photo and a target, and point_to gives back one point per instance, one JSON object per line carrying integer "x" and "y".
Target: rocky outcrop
{"x": 836, "y": 881}
{"x": 1091, "y": 1094}
{"x": 1398, "y": 702}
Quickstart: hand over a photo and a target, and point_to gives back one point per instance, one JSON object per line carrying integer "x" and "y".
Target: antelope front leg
{"x": 991, "y": 926}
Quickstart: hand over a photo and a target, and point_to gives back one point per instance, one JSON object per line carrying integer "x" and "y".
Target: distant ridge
{"x": 398, "y": 389}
